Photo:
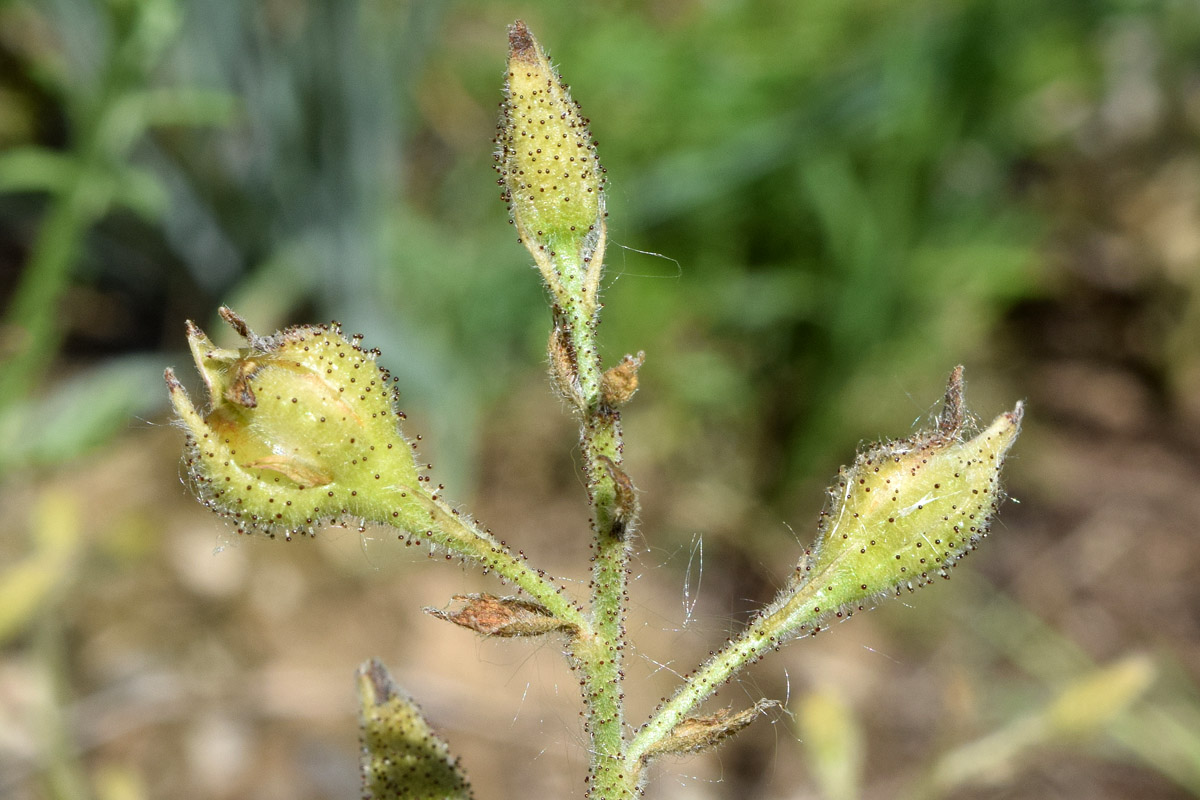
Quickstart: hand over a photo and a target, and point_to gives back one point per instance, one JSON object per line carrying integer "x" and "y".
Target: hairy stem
{"x": 462, "y": 537}
{"x": 778, "y": 623}
{"x": 600, "y": 441}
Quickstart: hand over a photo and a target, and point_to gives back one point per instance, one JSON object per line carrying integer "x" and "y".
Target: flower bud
{"x": 620, "y": 383}
{"x": 907, "y": 511}
{"x": 700, "y": 733}
{"x": 552, "y": 179}
{"x": 564, "y": 366}
{"x": 298, "y": 430}
{"x": 502, "y": 616}
{"x": 402, "y": 756}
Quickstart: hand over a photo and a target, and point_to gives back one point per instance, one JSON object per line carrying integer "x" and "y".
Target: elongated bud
{"x": 564, "y": 367}
{"x": 403, "y": 758}
{"x": 301, "y": 428}
{"x": 907, "y": 511}
{"x": 624, "y": 506}
{"x": 502, "y": 616}
{"x": 552, "y": 180}
{"x": 1094, "y": 700}
{"x": 700, "y": 733}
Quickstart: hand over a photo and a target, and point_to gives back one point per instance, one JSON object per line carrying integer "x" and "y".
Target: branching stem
{"x": 462, "y": 537}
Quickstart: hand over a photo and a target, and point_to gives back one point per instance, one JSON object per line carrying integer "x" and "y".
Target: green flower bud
{"x": 298, "y": 431}
{"x": 907, "y": 511}
{"x": 403, "y": 758}
{"x": 903, "y": 513}
{"x": 552, "y": 179}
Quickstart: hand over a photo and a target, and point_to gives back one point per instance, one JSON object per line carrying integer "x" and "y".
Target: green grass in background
{"x": 835, "y": 186}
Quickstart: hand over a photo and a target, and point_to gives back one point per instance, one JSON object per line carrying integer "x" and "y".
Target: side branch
{"x": 462, "y": 537}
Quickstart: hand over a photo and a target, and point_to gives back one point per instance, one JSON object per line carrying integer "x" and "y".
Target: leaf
{"x": 36, "y": 169}
{"x": 79, "y": 413}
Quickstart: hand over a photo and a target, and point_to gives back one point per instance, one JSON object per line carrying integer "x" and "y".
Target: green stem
{"x": 32, "y": 324}
{"x": 600, "y": 656}
{"x": 462, "y": 537}
{"x": 776, "y": 624}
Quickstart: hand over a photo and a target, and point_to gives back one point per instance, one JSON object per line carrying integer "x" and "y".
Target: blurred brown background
{"x": 849, "y": 198}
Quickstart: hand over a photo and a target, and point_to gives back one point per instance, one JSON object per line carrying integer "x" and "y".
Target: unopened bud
{"x": 1094, "y": 700}
{"x": 620, "y": 383}
{"x": 700, "y": 733}
{"x": 403, "y": 758}
{"x": 833, "y": 742}
{"x": 624, "y": 506}
{"x": 300, "y": 428}
{"x": 552, "y": 180}
{"x": 564, "y": 371}
{"x": 502, "y": 616}
{"x": 906, "y": 511}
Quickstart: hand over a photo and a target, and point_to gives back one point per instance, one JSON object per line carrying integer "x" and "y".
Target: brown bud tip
{"x": 521, "y": 46}
{"x": 950, "y": 421}
{"x": 382, "y": 687}
{"x": 620, "y": 383}
{"x": 1017, "y": 414}
{"x": 235, "y": 321}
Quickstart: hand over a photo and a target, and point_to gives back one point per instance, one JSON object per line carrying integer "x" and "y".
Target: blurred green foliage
{"x": 838, "y": 189}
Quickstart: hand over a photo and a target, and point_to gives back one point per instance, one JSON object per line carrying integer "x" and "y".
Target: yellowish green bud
{"x": 403, "y": 758}
{"x": 902, "y": 514}
{"x": 907, "y": 511}
{"x": 301, "y": 428}
{"x": 551, "y": 177}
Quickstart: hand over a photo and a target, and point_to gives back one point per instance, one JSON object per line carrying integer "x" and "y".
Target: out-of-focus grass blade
{"x": 1160, "y": 731}
{"x": 79, "y": 413}
{"x": 25, "y": 586}
{"x": 833, "y": 741}
{"x": 1087, "y": 707}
